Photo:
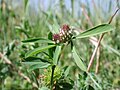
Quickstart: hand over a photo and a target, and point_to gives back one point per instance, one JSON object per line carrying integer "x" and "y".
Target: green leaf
{"x": 51, "y": 50}
{"x": 37, "y": 40}
{"x": 53, "y": 28}
{"x": 50, "y": 28}
{"x": 37, "y": 50}
{"x": 56, "y": 27}
{"x": 96, "y": 30}
{"x": 66, "y": 72}
{"x": 56, "y": 55}
{"x": 32, "y": 63}
{"x": 37, "y": 65}
{"x": 90, "y": 75}
{"x": 44, "y": 88}
{"x": 36, "y": 59}
{"x": 78, "y": 60}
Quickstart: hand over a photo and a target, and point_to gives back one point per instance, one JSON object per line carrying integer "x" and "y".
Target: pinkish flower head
{"x": 65, "y": 27}
{"x": 64, "y": 35}
{"x": 56, "y": 38}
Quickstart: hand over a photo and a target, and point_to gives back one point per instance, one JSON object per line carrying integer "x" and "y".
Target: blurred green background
{"x": 22, "y": 19}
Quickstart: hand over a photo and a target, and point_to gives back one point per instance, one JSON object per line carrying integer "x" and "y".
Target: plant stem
{"x": 52, "y": 75}
{"x": 95, "y": 50}
{"x": 101, "y": 37}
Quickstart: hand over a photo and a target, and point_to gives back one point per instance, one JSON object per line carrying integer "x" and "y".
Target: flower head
{"x": 64, "y": 35}
{"x": 65, "y": 27}
{"x": 56, "y": 38}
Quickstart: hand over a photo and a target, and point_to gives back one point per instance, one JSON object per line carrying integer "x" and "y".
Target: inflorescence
{"x": 64, "y": 35}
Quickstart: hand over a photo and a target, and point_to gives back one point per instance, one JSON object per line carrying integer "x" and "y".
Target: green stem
{"x": 52, "y": 75}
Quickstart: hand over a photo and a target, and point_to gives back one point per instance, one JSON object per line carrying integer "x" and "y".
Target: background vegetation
{"x": 23, "y": 19}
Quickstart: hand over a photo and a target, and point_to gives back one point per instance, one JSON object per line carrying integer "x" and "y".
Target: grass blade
{"x": 25, "y": 2}
{"x": 112, "y": 49}
{"x": 53, "y": 28}
{"x": 94, "y": 81}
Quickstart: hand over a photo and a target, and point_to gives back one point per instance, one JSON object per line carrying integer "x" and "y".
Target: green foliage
{"x": 56, "y": 77}
{"x": 56, "y": 54}
{"x": 26, "y": 40}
